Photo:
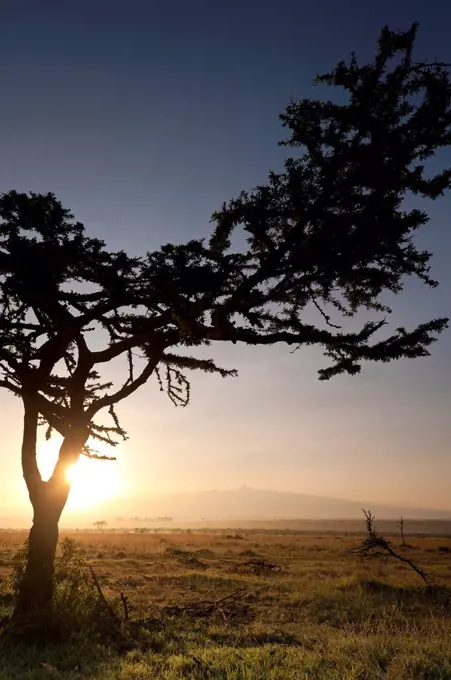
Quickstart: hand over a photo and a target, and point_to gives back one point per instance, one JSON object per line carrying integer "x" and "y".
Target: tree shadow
{"x": 79, "y": 659}
{"x": 254, "y": 639}
{"x": 437, "y": 595}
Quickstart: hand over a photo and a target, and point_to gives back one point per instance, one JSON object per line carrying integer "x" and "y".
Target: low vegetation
{"x": 231, "y": 605}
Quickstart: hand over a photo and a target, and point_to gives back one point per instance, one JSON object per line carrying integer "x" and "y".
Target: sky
{"x": 143, "y": 117}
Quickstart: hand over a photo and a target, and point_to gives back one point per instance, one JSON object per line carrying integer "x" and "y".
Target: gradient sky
{"x": 143, "y": 116}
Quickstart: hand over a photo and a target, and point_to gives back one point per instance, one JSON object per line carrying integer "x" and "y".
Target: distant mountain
{"x": 252, "y": 504}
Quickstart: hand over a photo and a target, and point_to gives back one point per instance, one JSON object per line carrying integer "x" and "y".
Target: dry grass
{"x": 309, "y": 609}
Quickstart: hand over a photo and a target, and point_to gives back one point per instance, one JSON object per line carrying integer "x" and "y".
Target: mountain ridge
{"x": 252, "y": 504}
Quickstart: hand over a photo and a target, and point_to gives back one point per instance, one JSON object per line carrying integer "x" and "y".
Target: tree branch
{"x": 114, "y": 350}
{"x": 12, "y": 388}
{"x": 121, "y": 346}
{"x": 306, "y": 335}
{"x": 30, "y": 468}
{"x": 69, "y": 453}
{"x": 80, "y": 375}
{"x": 125, "y": 391}
{"x": 55, "y": 414}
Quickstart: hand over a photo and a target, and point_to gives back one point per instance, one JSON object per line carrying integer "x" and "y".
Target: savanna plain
{"x": 250, "y": 604}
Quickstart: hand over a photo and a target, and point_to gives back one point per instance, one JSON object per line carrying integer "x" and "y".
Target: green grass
{"x": 319, "y": 614}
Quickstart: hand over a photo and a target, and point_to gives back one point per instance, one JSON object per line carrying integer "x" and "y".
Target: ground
{"x": 302, "y": 607}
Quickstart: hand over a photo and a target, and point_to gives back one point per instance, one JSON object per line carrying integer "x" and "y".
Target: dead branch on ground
{"x": 102, "y": 597}
{"x": 206, "y": 607}
{"x": 124, "y": 600}
{"x": 376, "y": 546}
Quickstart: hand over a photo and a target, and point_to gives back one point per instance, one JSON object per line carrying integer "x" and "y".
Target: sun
{"x": 92, "y": 481}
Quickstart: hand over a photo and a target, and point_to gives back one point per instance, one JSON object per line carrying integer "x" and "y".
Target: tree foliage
{"x": 327, "y": 237}
{"x": 333, "y": 230}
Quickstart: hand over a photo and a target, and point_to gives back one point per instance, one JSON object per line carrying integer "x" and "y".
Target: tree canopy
{"x": 330, "y": 235}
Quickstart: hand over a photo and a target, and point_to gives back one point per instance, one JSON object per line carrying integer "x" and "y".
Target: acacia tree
{"x": 327, "y": 237}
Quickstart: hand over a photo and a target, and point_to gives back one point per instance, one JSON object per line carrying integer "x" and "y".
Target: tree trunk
{"x": 36, "y": 587}
{"x": 48, "y": 499}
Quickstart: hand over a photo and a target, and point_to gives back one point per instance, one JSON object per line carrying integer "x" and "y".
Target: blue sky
{"x": 143, "y": 116}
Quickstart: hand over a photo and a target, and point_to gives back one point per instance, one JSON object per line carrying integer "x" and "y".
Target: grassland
{"x": 306, "y": 609}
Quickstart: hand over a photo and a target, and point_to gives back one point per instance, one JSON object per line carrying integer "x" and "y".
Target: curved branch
{"x": 54, "y": 414}
{"x": 12, "y": 388}
{"x": 125, "y": 391}
{"x": 30, "y": 468}
{"x": 121, "y": 346}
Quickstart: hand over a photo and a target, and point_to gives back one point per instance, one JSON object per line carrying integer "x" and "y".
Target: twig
{"x": 228, "y": 599}
{"x": 197, "y": 661}
{"x": 102, "y": 597}
{"x": 208, "y": 606}
{"x": 325, "y": 316}
{"x": 124, "y": 601}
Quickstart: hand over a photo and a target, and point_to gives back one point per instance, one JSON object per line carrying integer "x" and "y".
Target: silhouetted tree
{"x": 329, "y": 235}
{"x": 401, "y": 529}
{"x": 100, "y": 524}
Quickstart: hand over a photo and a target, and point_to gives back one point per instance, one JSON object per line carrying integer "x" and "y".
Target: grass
{"x": 309, "y": 610}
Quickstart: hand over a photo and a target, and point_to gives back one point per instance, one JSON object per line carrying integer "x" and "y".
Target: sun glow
{"x": 92, "y": 481}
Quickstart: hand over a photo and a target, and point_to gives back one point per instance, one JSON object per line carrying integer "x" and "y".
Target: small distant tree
{"x": 401, "y": 529}
{"x": 326, "y": 238}
{"x": 100, "y": 525}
